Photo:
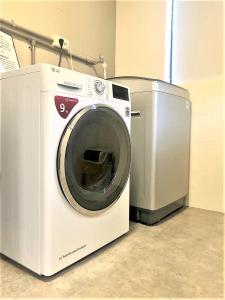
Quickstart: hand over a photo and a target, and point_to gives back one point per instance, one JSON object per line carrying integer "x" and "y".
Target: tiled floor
{"x": 180, "y": 257}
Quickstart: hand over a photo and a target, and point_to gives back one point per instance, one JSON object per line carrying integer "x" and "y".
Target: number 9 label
{"x": 64, "y": 105}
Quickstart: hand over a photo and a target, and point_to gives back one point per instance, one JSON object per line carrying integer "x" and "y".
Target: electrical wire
{"x": 61, "y": 42}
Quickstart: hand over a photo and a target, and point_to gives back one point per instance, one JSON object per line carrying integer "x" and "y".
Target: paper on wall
{"x": 8, "y": 57}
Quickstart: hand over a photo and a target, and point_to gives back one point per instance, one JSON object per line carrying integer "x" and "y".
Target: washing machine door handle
{"x": 96, "y": 156}
{"x": 135, "y": 113}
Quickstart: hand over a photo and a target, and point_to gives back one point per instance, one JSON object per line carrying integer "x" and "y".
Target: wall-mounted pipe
{"x": 32, "y": 51}
{"x": 35, "y": 39}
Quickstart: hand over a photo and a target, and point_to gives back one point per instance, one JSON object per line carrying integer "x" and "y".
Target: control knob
{"x": 99, "y": 87}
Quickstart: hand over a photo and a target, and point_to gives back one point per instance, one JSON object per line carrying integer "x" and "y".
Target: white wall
{"x": 198, "y": 66}
{"x": 223, "y": 110}
{"x": 89, "y": 25}
{"x": 198, "y": 40}
{"x": 140, "y": 38}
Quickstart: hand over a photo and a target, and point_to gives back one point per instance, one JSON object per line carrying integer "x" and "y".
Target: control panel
{"x": 106, "y": 90}
{"x": 77, "y": 84}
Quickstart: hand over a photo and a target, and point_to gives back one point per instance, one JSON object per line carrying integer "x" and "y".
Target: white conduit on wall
{"x": 38, "y": 40}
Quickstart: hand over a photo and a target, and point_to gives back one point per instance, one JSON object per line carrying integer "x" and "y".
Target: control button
{"x": 99, "y": 87}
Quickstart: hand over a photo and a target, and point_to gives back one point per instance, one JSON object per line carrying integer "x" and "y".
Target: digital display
{"x": 120, "y": 92}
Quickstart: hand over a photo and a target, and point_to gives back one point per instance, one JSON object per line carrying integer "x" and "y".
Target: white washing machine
{"x": 65, "y": 165}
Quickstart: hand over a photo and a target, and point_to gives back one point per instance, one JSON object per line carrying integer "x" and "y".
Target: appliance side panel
{"x": 172, "y": 149}
{"x": 141, "y": 145}
{"x": 20, "y": 139}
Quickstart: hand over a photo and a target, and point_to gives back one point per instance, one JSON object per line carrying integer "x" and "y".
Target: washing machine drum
{"x": 94, "y": 159}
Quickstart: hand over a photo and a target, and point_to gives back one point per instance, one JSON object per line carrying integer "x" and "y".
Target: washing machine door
{"x": 94, "y": 159}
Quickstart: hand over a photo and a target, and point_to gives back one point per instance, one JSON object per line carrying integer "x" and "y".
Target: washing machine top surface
{"x": 55, "y": 78}
{"x": 143, "y": 84}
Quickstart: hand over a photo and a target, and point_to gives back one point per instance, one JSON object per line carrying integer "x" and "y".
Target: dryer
{"x": 65, "y": 165}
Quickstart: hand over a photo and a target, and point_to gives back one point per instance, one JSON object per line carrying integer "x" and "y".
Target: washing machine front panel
{"x": 57, "y": 234}
{"x": 94, "y": 159}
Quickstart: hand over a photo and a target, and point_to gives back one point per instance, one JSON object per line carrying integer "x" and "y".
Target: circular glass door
{"x": 94, "y": 159}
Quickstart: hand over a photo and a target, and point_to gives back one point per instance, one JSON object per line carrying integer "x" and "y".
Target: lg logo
{"x": 55, "y": 70}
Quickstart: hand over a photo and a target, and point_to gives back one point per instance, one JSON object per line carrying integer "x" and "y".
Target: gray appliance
{"x": 160, "y": 139}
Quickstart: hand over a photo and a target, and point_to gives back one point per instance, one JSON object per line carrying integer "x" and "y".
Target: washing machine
{"x": 65, "y": 163}
{"x": 160, "y": 139}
